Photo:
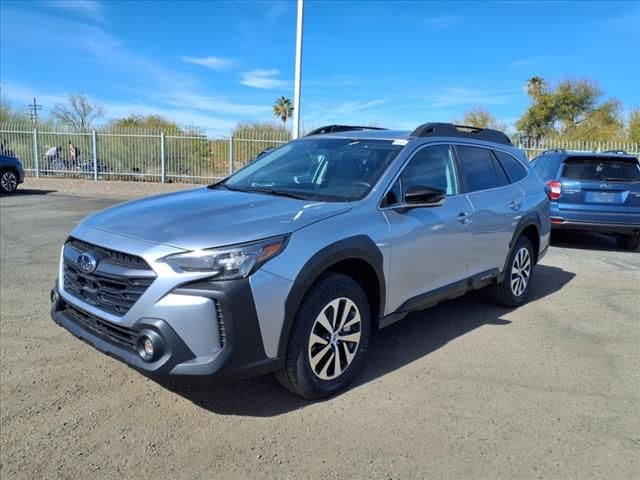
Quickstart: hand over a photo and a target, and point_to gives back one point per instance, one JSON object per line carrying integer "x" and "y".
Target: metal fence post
{"x": 36, "y": 160}
{"x": 230, "y": 154}
{"x": 94, "y": 144}
{"x": 163, "y": 162}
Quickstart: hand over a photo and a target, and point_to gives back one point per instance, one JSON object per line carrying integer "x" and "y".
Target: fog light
{"x": 147, "y": 344}
{"x": 150, "y": 346}
{"x": 54, "y": 297}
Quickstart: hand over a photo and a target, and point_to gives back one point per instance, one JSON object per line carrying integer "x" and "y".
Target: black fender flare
{"x": 358, "y": 247}
{"x": 527, "y": 220}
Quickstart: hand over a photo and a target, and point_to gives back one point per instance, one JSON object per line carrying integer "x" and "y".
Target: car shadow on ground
{"x": 390, "y": 349}
{"x": 585, "y": 241}
{"x": 21, "y": 192}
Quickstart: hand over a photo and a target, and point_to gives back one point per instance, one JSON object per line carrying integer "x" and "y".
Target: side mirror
{"x": 421, "y": 196}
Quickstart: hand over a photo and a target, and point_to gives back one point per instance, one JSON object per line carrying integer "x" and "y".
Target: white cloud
{"x": 263, "y": 79}
{"x": 212, "y": 63}
{"x": 443, "y": 22}
{"x": 355, "y": 106}
{"x": 91, "y": 9}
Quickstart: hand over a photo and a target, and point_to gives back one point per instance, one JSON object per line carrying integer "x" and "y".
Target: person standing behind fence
{"x": 74, "y": 153}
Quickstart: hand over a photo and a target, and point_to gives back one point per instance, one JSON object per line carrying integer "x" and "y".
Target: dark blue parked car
{"x": 593, "y": 192}
{"x": 11, "y": 172}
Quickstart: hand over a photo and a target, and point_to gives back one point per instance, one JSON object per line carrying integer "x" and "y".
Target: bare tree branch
{"x": 78, "y": 113}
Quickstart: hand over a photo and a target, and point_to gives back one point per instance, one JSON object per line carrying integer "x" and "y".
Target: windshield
{"x": 323, "y": 169}
{"x": 602, "y": 169}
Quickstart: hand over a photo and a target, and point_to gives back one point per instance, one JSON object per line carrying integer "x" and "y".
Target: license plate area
{"x": 604, "y": 197}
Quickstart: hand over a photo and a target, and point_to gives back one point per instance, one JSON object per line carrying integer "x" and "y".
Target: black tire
{"x": 299, "y": 376}
{"x": 504, "y": 294}
{"x": 628, "y": 242}
{"x": 8, "y": 181}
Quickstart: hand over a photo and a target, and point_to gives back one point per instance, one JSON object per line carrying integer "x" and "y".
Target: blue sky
{"x": 395, "y": 64}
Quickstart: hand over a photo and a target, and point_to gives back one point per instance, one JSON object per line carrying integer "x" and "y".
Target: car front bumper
{"x": 238, "y": 354}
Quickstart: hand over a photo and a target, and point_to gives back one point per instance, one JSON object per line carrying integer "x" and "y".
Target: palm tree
{"x": 283, "y": 109}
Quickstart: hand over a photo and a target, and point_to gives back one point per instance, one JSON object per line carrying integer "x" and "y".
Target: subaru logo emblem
{"x": 87, "y": 262}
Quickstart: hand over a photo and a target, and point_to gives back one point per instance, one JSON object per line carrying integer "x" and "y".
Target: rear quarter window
{"x": 513, "y": 167}
{"x": 609, "y": 169}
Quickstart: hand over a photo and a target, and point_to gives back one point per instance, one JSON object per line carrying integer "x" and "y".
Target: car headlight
{"x": 228, "y": 263}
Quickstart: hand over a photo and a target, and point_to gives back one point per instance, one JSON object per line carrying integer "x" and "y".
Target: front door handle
{"x": 464, "y": 218}
{"x": 514, "y": 205}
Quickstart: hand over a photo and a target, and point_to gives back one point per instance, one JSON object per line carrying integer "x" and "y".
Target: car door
{"x": 429, "y": 245}
{"x": 497, "y": 205}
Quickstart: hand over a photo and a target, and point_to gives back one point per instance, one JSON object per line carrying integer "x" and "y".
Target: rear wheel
{"x": 8, "y": 181}
{"x": 628, "y": 242}
{"x": 513, "y": 290}
{"x": 329, "y": 338}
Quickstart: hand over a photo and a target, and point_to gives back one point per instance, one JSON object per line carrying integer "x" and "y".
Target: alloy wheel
{"x": 334, "y": 339}
{"x": 520, "y": 271}
{"x": 9, "y": 181}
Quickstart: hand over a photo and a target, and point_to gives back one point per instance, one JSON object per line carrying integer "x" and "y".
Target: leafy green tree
{"x": 633, "y": 126}
{"x": 480, "y": 117}
{"x": 261, "y": 131}
{"x": 78, "y": 113}
{"x": 152, "y": 123}
{"x": 187, "y": 151}
{"x": 283, "y": 109}
{"x": 9, "y": 115}
{"x": 573, "y": 109}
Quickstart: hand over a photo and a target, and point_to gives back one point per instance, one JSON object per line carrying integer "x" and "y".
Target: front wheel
{"x": 8, "y": 181}
{"x": 328, "y": 339}
{"x": 513, "y": 290}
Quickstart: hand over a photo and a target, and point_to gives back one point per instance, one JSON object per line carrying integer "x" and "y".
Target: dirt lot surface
{"x": 463, "y": 390}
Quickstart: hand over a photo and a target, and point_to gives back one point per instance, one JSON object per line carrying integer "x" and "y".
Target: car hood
{"x": 204, "y": 218}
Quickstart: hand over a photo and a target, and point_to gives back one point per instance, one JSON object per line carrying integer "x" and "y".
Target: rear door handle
{"x": 514, "y": 205}
{"x": 464, "y": 218}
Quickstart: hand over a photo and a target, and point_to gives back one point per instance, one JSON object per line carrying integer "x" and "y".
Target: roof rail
{"x": 452, "y": 130}
{"x": 554, "y": 150}
{"x": 617, "y": 152}
{"x": 339, "y": 128}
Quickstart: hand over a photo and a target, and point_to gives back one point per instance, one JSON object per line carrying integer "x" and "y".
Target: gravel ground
{"x": 101, "y": 189}
{"x": 463, "y": 390}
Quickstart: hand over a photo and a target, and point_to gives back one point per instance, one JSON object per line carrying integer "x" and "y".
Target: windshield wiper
{"x": 280, "y": 193}
{"x": 222, "y": 184}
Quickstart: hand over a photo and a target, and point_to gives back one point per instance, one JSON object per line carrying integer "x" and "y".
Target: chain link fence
{"x": 111, "y": 154}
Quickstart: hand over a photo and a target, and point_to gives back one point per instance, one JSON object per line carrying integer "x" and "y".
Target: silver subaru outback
{"x": 290, "y": 264}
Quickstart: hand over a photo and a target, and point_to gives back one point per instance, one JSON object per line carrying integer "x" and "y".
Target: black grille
{"x": 115, "y": 257}
{"x": 115, "y": 333}
{"x": 115, "y": 286}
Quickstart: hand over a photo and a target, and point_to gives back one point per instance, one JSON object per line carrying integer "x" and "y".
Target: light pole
{"x": 298, "y": 72}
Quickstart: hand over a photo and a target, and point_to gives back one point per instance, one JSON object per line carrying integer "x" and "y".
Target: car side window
{"x": 478, "y": 168}
{"x": 503, "y": 179}
{"x": 432, "y": 166}
{"x": 550, "y": 168}
{"x": 513, "y": 167}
